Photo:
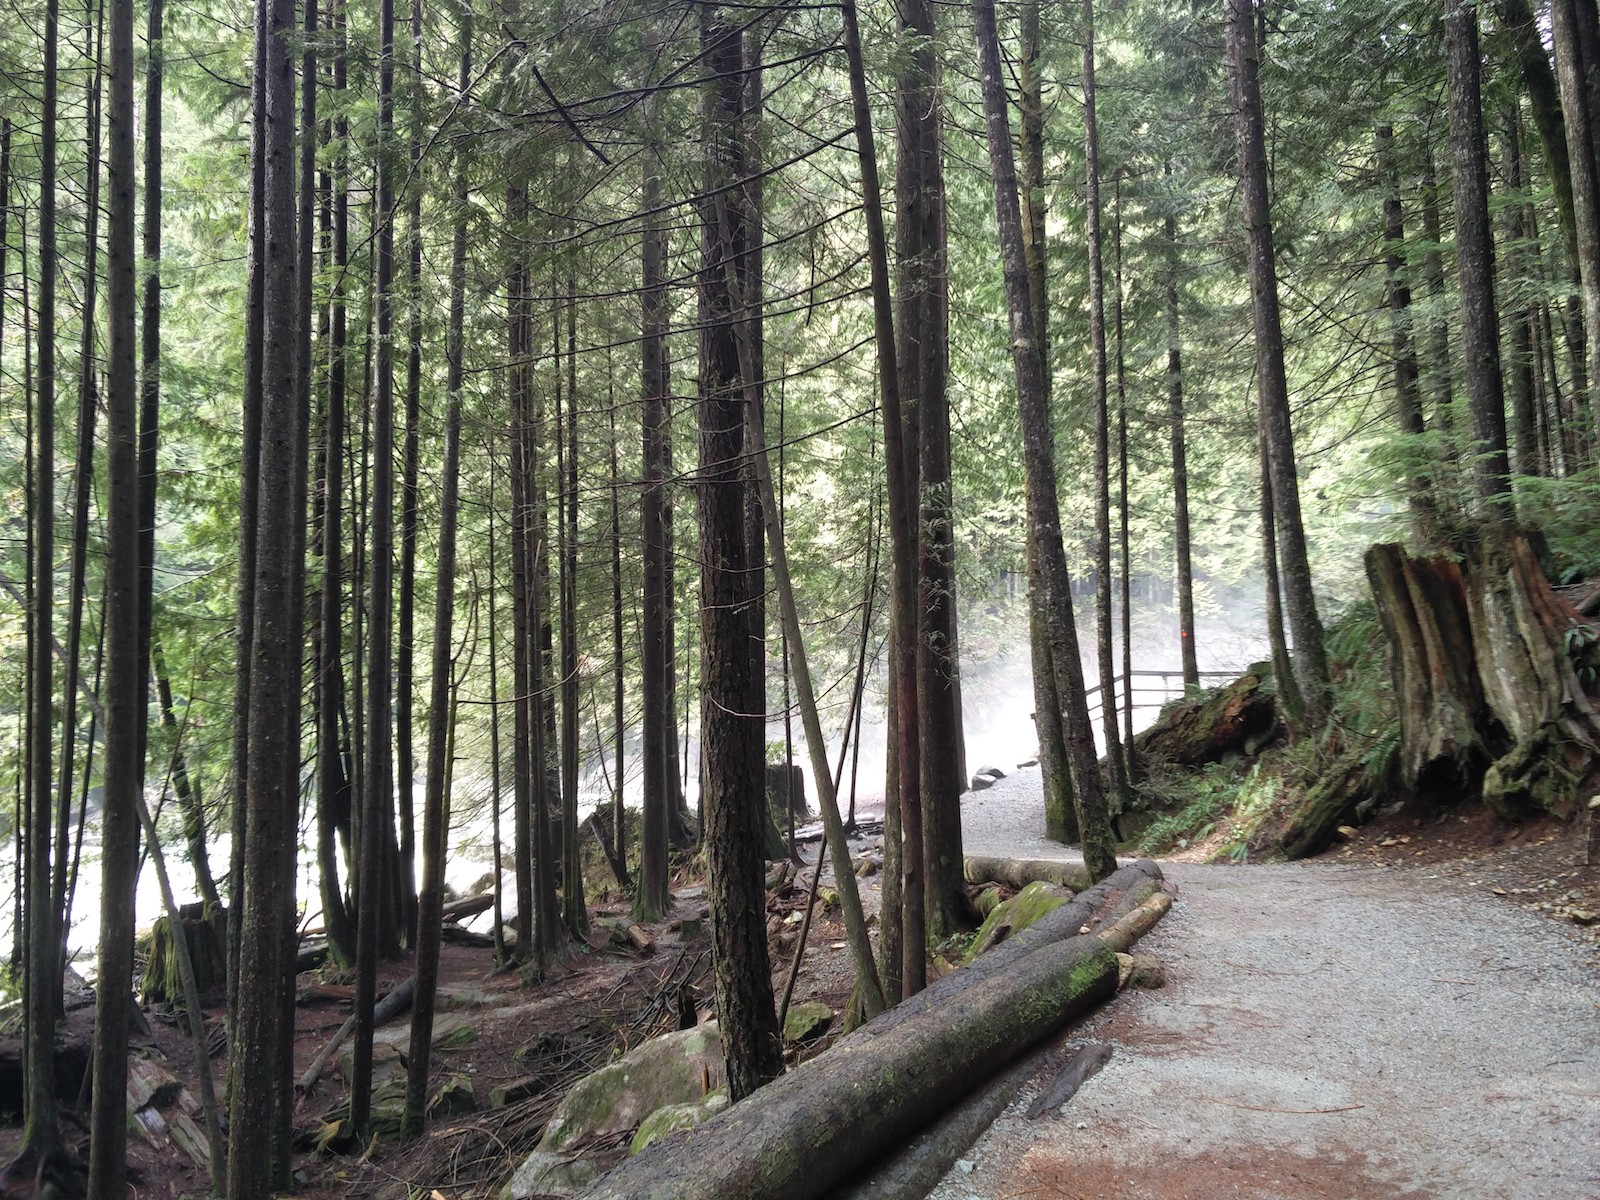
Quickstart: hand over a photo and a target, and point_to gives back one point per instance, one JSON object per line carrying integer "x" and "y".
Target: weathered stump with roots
{"x": 1485, "y": 661}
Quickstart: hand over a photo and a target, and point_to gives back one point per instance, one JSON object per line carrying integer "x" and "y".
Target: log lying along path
{"x": 803, "y": 1133}
{"x": 1327, "y": 1031}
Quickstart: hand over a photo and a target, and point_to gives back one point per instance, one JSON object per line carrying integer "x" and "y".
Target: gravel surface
{"x": 1327, "y": 1030}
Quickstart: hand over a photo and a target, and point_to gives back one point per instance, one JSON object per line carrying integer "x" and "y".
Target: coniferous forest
{"x": 506, "y": 438}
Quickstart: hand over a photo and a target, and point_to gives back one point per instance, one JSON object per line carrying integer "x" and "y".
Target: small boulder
{"x": 807, "y": 1020}
{"x": 545, "y": 1174}
{"x": 453, "y": 1096}
{"x": 1140, "y": 971}
{"x": 994, "y": 773}
{"x": 675, "y": 1068}
{"x": 980, "y": 783}
{"x": 677, "y": 1116}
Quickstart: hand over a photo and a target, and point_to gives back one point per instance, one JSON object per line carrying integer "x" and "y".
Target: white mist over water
{"x": 997, "y": 703}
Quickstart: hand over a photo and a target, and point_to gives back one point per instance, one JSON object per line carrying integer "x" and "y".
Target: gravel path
{"x": 1327, "y": 1031}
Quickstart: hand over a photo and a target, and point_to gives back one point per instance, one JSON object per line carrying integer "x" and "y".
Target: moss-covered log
{"x": 1240, "y": 718}
{"x": 795, "y": 1138}
{"x": 1328, "y": 803}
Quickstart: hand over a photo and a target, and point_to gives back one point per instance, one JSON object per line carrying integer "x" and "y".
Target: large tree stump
{"x": 1422, "y": 605}
{"x": 1485, "y": 661}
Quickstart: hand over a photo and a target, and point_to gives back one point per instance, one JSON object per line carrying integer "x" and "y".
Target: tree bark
{"x": 267, "y": 894}
{"x": 1480, "y": 324}
{"x": 732, "y": 799}
{"x": 830, "y": 1115}
{"x": 124, "y": 689}
{"x": 1300, "y": 600}
{"x": 657, "y": 783}
{"x": 41, "y": 1137}
{"x": 922, "y": 364}
{"x": 1181, "y": 538}
{"x": 1403, "y": 350}
{"x": 1049, "y": 583}
{"x": 1116, "y": 768}
{"x": 1060, "y": 821}
{"x": 1575, "y": 71}
{"x": 377, "y": 798}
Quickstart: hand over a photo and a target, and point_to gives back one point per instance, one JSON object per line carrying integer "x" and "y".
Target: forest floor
{"x": 1415, "y": 1014}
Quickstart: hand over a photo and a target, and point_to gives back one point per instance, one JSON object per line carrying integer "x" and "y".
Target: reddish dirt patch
{"x": 1337, "y": 1173}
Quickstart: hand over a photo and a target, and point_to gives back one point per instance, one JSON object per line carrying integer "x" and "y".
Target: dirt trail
{"x": 1327, "y": 1031}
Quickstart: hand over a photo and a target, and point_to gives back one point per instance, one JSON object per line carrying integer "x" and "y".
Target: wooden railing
{"x": 1151, "y": 689}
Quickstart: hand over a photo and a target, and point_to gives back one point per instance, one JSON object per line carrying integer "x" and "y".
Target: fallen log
{"x": 927, "y": 1158}
{"x": 1135, "y": 923}
{"x": 798, "y": 1136}
{"x": 1240, "y": 718}
{"x": 1020, "y": 872}
{"x": 397, "y": 1001}
{"x": 466, "y": 907}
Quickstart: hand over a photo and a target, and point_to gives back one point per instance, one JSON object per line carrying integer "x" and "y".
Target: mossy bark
{"x": 799, "y": 1135}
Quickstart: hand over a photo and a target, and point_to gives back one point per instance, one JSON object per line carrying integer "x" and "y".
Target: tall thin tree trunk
{"x": 1480, "y": 325}
{"x": 267, "y": 890}
{"x": 1520, "y": 368}
{"x": 1060, "y": 820}
{"x": 124, "y": 688}
{"x": 1397, "y": 298}
{"x": 377, "y": 796}
{"x": 619, "y": 824}
{"x": 436, "y": 799}
{"x": 1050, "y": 585}
{"x": 657, "y": 777}
{"x": 1575, "y": 71}
{"x": 406, "y": 638}
{"x": 1300, "y": 601}
{"x": 41, "y": 1136}
{"x": 574, "y": 913}
{"x": 902, "y": 536}
{"x": 732, "y": 797}
{"x": 88, "y": 404}
{"x": 1116, "y": 767}
{"x": 1125, "y": 572}
{"x": 1178, "y": 440}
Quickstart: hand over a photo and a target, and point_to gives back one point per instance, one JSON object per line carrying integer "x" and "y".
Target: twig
{"x": 1298, "y": 1112}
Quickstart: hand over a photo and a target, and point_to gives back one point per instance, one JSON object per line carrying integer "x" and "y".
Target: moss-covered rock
{"x": 545, "y": 1174}
{"x": 807, "y": 1020}
{"x": 1016, "y": 914}
{"x": 676, "y": 1068}
{"x": 453, "y": 1096}
{"x": 677, "y": 1116}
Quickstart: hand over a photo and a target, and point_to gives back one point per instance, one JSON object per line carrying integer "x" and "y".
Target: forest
{"x": 509, "y": 440}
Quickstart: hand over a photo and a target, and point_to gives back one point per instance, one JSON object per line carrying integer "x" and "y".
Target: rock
{"x": 1016, "y": 914}
{"x": 980, "y": 783}
{"x": 517, "y": 1090}
{"x": 453, "y": 1096}
{"x": 544, "y": 1174}
{"x": 1026, "y": 763}
{"x": 1347, "y": 833}
{"x": 994, "y": 773}
{"x": 675, "y": 1068}
{"x": 677, "y": 1116}
{"x": 807, "y": 1020}
{"x": 1140, "y": 971}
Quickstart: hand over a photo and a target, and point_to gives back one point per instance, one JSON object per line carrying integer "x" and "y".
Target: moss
{"x": 806, "y": 1021}
{"x": 676, "y": 1068}
{"x": 675, "y": 1117}
{"x": 1020, "y": 912}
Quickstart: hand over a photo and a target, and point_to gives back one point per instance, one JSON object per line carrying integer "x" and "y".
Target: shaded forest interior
{"x": 546, "y": 441}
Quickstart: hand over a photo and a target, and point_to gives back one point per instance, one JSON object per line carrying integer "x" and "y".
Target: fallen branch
{"x": 390, "y": 1007}
{"x": 1135, "y": 924}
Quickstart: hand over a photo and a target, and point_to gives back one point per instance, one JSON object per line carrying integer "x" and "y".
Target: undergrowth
{"x": 1232, "y": 809}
